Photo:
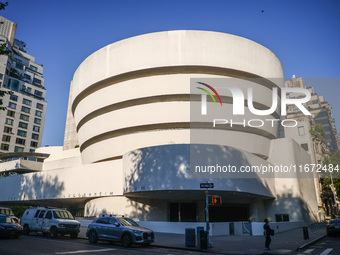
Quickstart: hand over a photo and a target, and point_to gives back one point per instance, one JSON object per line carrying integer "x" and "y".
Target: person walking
{"x": 266, "y": 228}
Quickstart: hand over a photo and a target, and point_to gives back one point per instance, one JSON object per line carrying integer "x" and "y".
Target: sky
{"x": 303, "y": 34}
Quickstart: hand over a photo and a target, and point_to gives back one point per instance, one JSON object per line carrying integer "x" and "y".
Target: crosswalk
{"x": 309, "y": 251}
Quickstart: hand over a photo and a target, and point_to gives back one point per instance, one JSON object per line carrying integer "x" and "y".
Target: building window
{"x": 13, "y": 97}
{"x": 40, "y": 106}
{"x": 9, "y": 121}
{"x": 26, "y": 101}
{"x": 13, "y": 84}
{"x": 1, "y": 76}
{"x": 301, "y": 131}
{"x": 38, "y": 113}
{"x": 317, "y": 148}
{"x": 26, "y": 76}
{"x": 38, "y": 93}
{"x": 36, "y": 128}
{"x": 8, "y": 130}
{"x": 32, "y": 150}
{"x": 4, "y": 147}
{"x": 33, "y": 68}
{"x": 12, "y": 105}
{"x": 18, "y": 149}
{"x": 20, "y": 141}
{"x": 6, "y": 138}
{"x": 315, "y": 101}
{"x": 34, "y": 144}
{"x": 24, "y": 117}
{"x": 36, "y": 81}
{"x": 19, "y": 66}
{"x": 23, "y": 125}
{"x": 22, "y": 133}
{"x": 10, "y": 113}
{"x": 35, "y": 136}
{"x": 182, "y": 212}
{"x": 305, "y": 146}
{"x": 281, "y": 217}
{"x": 25, "y": 109}
{"x": 37, "y": 121}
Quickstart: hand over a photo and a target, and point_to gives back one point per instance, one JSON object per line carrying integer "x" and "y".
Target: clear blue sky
{"x": 304, "y": 34}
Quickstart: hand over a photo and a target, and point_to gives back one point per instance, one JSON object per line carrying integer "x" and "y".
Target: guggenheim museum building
{"x": 141, "y": 136}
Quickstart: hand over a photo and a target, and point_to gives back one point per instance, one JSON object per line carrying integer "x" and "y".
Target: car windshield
{"x": 62, "y": 215}
{"x": 127, "y": 222}
{"x": 4, "y": 219}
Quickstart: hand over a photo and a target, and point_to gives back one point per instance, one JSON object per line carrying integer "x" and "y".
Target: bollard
{"x": 305, "y": 233}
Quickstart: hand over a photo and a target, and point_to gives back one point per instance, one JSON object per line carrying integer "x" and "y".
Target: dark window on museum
{"x": 8, "y": 130}
{"x": 18, "y": 149}
{"x": 305, "y": 146}
{"x": 281, "y": 217}
{"x": 182, "y": 212}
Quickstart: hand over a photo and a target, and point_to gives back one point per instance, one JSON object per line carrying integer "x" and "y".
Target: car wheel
{"x": 127, "y": 240}
{"x": 74, "y": 235}
{"x": 26, "y": 230}
{"x": 93, "y": 238}
{"x": 53, "y": 232}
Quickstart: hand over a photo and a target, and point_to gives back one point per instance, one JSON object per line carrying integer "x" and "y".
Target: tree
{"x": 332, "y": 163}
{"x": 3, "y": 51}
{"x": 317, "y": 130}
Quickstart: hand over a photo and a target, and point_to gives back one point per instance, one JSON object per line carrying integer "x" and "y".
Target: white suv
{"x": 50, "y": 221}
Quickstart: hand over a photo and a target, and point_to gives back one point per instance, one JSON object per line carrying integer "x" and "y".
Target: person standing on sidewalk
{"x": 266, "y": 228}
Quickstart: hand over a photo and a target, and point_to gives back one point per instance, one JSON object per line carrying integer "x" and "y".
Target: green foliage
{"x": 333, "y": 161}
{"x": 317, "y": 130}
{"x": 19, "y": 210}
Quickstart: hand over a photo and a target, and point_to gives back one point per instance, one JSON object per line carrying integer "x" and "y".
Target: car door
{"x": 101, "y": 227}
{"x": 45, "y": 221}
{"x": 113, "y": 230}
{"x": 34, "y": 221}
{"x": 40, "y": 220}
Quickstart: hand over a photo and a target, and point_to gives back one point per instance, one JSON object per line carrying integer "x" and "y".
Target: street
{"x": 39, "y": 245}
{"x": 327, "y": 245}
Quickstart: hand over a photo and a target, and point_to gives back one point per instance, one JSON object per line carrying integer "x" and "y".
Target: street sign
{"x": 206, "y": 185}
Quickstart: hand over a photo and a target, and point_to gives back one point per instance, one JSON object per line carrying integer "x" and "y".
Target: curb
{"x": 311, "y": 242}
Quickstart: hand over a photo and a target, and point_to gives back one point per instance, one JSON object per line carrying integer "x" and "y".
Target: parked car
{"x": 119, "y": 229}
{"x": 50, "y": 221}
{"x": 8, "y": 228}
{"x": 9, "y": 212}
{"x": 333, "y": 227}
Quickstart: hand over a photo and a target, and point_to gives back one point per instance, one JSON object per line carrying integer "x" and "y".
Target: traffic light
{"x": 215, "y": 200}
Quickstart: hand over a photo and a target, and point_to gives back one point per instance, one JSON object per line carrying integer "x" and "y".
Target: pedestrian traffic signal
{"x": 215, "y": 200}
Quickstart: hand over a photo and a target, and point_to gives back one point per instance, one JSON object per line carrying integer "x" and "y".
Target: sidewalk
{"x": 282, "y": 243}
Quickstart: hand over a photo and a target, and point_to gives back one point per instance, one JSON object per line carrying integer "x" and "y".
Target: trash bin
{"x": 190, "y": 237}
{"x": 204, "y": 239}
{"x": 231, "y": 229}
{"x": 305, "y": 233}
{"x": 198, "y": 234}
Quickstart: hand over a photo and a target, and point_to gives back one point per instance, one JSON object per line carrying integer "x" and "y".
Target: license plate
{"x": 12, "y": 233}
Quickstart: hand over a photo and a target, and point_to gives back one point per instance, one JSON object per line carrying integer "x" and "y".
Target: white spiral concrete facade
{"x": 135, "y": 93}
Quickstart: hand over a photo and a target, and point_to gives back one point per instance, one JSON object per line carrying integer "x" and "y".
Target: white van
{"x": 50, "y": 221}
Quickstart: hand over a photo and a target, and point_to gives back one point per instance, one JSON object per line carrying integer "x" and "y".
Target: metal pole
{"x": 207, "y": 214}
{"x": 336, "y": 204}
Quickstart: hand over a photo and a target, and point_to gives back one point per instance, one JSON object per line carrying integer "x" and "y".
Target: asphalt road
{"x": 329, "y": 245}
{"x": 40, "y": 245}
